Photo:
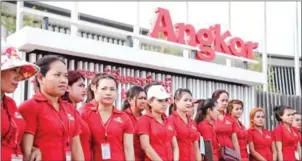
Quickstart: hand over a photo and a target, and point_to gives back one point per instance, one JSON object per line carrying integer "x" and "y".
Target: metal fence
{"x": 268, "y": 101}
{"x": 201, "y": 88}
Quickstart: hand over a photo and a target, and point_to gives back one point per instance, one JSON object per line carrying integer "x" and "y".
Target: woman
{"x": 185, "y": 128}
{"x": 260, "y": 140}
{"x": 157, "y": 137}
{"x": 111, "y": 129}
{"x": 235, "y": 109}
{"x": 133, "y": 106}
{"x": 52, "y": 124}
{"x": 13, "y": 70}
{"x": 297, "y": 124}
{"x": 225, "y": 126}
{"x": 287, "y": 140}
{"x": 75, "y": 94}
{"x": 207, "y": 113}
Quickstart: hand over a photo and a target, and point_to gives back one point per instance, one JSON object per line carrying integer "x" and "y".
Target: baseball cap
{"x": 158, "y": 92}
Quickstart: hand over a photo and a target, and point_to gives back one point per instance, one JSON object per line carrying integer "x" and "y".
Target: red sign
{"x": 167, "y": 83}
{"x": 208, "y": 40}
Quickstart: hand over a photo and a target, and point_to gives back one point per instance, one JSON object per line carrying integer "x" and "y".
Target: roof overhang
{"x": 28, "y": 39}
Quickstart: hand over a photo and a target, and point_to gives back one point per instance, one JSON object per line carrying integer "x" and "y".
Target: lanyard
{"x": 105, "y": 125}
{"x": 12, "y": 123}
{"x": 66, "y": 131}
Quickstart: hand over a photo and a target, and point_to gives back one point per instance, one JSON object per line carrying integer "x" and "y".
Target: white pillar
{"x": 229, "y": 61}
{"x": 297, "y": 51}
{"x": 185, "y": 52}
{"x": 19, "y": 15}
{"x": 264, "y": 50}
{"x": 136, "y": 26}
{"x": 74, "y": 17}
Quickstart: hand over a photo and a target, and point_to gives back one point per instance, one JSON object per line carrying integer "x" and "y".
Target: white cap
{"x": 158, "y": 92}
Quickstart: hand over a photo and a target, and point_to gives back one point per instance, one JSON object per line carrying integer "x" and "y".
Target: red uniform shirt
{"x": 207, "y": 131}
{"x": 52, "y": 129}
{"x": 242, "y": 140}
{"x": 12, "y": 129}
{"x": 224, "y": 130}
{"x": 186, "y": 134}
{"x": 160, "y": 135}
{"x": 262, "y": 142}
{"x": 296, "y": 130}
{"x": 138, "y": 151}
{"x": 85, "y": 138}
{"x": 289, "y": 139}
{"x": 116, "y": 126}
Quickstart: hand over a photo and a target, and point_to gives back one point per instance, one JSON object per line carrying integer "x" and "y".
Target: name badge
{"x": 68, "y": 156}
{"x": 201, "y": 146}
{"x": 15, "y": 157}
{"x": 248, "y": 148}
{"x": 106, "y": 151}
{"x": 297, "y": 155}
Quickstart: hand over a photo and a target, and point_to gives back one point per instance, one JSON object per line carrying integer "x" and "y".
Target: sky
{"x": 247, "y": 18}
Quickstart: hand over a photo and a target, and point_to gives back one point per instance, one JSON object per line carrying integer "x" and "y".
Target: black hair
{"x": 202, "y": 109}
{"x": 279, "y": 111}
{"x": 94, "y": 81}
{"x": 217, "y": 93}
{"x": 73, "y": 77}
{"x": 133, "y": 92}
{"x": 177, "y": 95}
{"x": 44, "y": 64}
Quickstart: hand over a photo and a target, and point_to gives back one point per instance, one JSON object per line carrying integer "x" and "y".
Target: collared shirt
{"x": 160, "y": 135}
{"x": 85, "y": 138}
{"x": 207, "y": 131}
{"x": 12, "y": 125}
{"x": 289, "y": 139}
{"x": 262, "y": 142}
{"x": 116, "y": 126}
{"x": 138, "y": 151}
{"x": 224, "y": 130}
{"x": 186, "y": 134}
{"x": 52, "y": 129}
{"x": 242, "y": 140}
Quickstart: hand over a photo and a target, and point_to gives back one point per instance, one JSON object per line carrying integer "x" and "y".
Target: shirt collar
{"x": 42, "y": 98}
{"x": 163, "y": 115}
{"x": 94, "y": 106}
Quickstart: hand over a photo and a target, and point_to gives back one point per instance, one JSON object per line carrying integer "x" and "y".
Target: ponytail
{"x": 199, "y": 113}
{"x": 126, "y": 105}
{"x": 202, "y": 109}
{"x": 133, "y": 92}
{"x": 172, "y": 108}
{"x": 279, "y": 111}
{"x": 90, "y": 94}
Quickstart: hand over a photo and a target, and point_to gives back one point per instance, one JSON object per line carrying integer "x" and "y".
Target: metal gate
{"x": 201, "y": 88}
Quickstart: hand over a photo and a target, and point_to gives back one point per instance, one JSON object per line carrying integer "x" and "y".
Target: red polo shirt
{"x": 224, "y": 130}
{"x": 52, "y": 129}
{"x": 160, "y": 135}
{"x": 117, "y": 125}
{"x": 85, "y": 138}
{"x": 138, "y": 151}
{"x": 299, "y": 134}
{"x": 242, "y": 140}
{"x": 12, "y": 129}
{"x": 289, "y": 139}
{"x": 186, "y": 134}
{"x": 206, "y": 130}
{"x": 262, "y": 142}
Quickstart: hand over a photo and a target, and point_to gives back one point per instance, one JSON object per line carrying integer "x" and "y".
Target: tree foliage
{"x": 8, "y": 20}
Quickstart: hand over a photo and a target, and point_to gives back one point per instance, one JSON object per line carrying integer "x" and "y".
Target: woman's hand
{"x": 35, "y": 155}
